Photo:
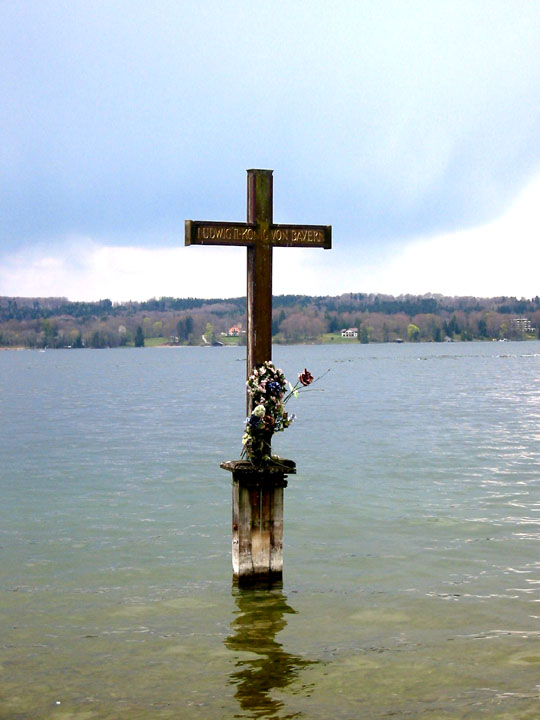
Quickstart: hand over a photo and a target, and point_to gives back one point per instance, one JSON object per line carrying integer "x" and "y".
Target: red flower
{"x": 306, "y": 378}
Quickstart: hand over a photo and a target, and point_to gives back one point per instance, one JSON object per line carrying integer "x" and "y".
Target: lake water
{"x": 411, "y": 555}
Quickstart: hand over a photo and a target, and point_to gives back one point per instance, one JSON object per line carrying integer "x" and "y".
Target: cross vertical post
{"x": 259, "y": 272}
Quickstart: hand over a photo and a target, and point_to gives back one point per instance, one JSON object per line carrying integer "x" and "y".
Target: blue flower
{"x": 255, "y": 421}
{"x": 274, "y": 388}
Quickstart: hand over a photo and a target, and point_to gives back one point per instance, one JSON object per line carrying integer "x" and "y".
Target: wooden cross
{"x": 260, "y": 235}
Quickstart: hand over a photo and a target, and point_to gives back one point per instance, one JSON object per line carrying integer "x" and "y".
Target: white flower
{"x": 259, "y": 411}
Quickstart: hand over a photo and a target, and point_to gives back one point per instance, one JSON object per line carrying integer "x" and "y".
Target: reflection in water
{"x": 260, "y": 616}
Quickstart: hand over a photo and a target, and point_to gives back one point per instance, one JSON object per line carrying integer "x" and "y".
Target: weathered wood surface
{"x": 246, "y": 470}
{"x": 259, "y": 273}
{"x": 257, "y": 519}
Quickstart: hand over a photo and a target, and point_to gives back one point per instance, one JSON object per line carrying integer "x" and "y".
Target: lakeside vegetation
{"x": 59, "y": 323}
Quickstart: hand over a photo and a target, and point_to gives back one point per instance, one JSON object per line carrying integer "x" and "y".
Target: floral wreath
{"x": 269, "y": 392}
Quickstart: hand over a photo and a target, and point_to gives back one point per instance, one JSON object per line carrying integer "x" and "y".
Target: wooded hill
{"x": 57, "y": 322}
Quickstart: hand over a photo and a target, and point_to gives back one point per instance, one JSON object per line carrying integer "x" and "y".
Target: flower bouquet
{"x": 269, "y": 392}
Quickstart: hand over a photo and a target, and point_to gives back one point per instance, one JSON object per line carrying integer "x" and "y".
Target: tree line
{"x": 58, "y": 323}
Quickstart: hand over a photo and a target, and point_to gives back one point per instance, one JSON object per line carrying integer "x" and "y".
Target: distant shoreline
{"x": 312, "y": 342}
{"x": 296, "y": 319}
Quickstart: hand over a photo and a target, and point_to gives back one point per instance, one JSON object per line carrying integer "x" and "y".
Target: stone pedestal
{"x": 257, "y": 530}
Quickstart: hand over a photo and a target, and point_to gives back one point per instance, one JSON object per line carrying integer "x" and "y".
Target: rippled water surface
{"x": 412, "y": 563}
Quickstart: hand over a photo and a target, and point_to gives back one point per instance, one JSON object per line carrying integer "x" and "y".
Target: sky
{"x": 413, "y": 128}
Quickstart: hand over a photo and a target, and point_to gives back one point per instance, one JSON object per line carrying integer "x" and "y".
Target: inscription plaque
{"x": 199, "y": 232}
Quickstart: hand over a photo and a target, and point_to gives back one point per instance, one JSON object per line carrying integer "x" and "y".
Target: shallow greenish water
{"x": 412, "y": 570}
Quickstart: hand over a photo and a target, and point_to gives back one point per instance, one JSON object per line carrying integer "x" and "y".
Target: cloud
{"x": 124, "y": 120}
{"x": 498, "y": 258}
{"x": 83, "y": 269}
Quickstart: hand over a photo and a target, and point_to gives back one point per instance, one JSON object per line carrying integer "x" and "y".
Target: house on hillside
{"x": 234, "y": 331}
{"x": 522, "y": 324}
{"x": 350, "y": 333}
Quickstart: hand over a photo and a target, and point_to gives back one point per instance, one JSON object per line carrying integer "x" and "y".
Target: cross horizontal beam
{"x": 200, "y": 232}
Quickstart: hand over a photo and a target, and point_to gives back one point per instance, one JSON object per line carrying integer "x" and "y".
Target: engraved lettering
{"x": 221, "y": 234}
{"x": 280, "y": 235}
